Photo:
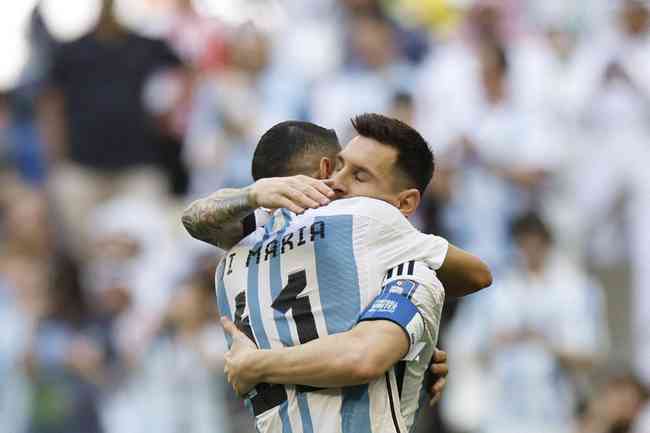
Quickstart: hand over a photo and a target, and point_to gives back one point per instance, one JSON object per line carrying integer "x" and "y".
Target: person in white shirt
{"x": 536, "y": 333}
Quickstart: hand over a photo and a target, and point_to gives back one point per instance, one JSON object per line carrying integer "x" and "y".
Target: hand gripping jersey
{"x": 304, "y": 276}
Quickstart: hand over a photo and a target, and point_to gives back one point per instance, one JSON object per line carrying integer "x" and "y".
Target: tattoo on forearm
{"x": 216, "y": 219}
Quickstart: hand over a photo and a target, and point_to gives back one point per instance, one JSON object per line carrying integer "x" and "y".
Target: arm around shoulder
{"x": 463, "y": 273}
{"x": 355, "y": 357}
{"x": 217, "y": 218}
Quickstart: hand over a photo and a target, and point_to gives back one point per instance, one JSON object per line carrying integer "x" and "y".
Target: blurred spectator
{"x": 616, "y": 407}
{"x": 448, "y": 86}
{"x": 20, "y": 280}
{"x": 536, "y": 332}
{"x": 180, "y": 369}
{"x": 376, "y": 75}
{"x": 615, "y": 90}
{"x": 410, "y": 42}
{"x": 25, "y": 231}
{"x": 103, "y": 139}
{"x": 499, "y": 156}
{"x": 198, "y": 40}
{"x": 232, "y": 108}
{"x": 132, "y": 249}
{"x": 615, "y": 111}
{"x": 201, "y": 42}
{"x": 65, "y": 358}
{"x": 129, "y": 275}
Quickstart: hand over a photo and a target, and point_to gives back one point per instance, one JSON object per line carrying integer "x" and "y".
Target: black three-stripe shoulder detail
{"x": 399, "y": 270}
{"x": 411, "y": 267}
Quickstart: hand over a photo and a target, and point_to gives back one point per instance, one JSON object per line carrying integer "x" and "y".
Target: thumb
{"x": 229, "y": 327}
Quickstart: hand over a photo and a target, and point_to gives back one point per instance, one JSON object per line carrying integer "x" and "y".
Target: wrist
{"x": 255, "y": 366}
{"x": 251, "y": 196}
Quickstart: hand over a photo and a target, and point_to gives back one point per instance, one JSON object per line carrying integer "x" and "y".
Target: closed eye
{"x": 361, "y": 176}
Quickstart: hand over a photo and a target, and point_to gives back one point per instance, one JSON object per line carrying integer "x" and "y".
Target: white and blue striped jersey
{"x": 301, "y": 277}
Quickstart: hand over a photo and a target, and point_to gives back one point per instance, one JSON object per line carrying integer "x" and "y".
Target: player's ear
{"x": 326, "y": 168}
{"x": 408, "y": 201}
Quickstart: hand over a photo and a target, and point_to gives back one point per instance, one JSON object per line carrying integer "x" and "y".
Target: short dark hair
{"x": 530, "y": 223}
{"x": 414, "y": 157}
{"x": 282, "y": 146}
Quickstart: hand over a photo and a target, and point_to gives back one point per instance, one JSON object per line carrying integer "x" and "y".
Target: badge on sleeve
{"x": 402, "y": 287}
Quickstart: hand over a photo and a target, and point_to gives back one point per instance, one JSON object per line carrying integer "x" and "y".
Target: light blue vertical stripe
{"x": 282, "y": 325}
{"x": 276, "y": 287}
{"x": 257, "y": 322}
{"x": 338, "y": 286}
{"x": 222, "y": 297}
{"x": 336, "y": 268}
{"x": 284, "y": 416}
{"x": 224, "y": 310}
{"x": 305, "y": 415}
{"x": 253, "y": 299}
{"x": 287, "y": 217}
{"x": 355, "y": 410}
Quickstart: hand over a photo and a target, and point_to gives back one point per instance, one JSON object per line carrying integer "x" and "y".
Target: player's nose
{"x": 337, "y": 184}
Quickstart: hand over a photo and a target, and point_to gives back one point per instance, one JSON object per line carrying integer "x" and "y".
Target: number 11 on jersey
{"x": 300, "y": 307}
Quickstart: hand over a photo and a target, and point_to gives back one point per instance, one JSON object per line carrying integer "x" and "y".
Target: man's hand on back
{"x": 239, "y": 373}
{"x": 439, "y": 369}
{"x": 296, "y": 193}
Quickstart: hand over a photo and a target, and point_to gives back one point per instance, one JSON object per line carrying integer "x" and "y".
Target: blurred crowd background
{"x": 114, "y": 115}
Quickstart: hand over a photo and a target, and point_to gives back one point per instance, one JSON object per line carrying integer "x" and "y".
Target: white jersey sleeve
{"x": 417, "y": 282}
{"x": 412, "y": 298}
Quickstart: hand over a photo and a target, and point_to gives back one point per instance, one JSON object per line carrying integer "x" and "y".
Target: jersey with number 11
{"x": 301, "y": 277}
